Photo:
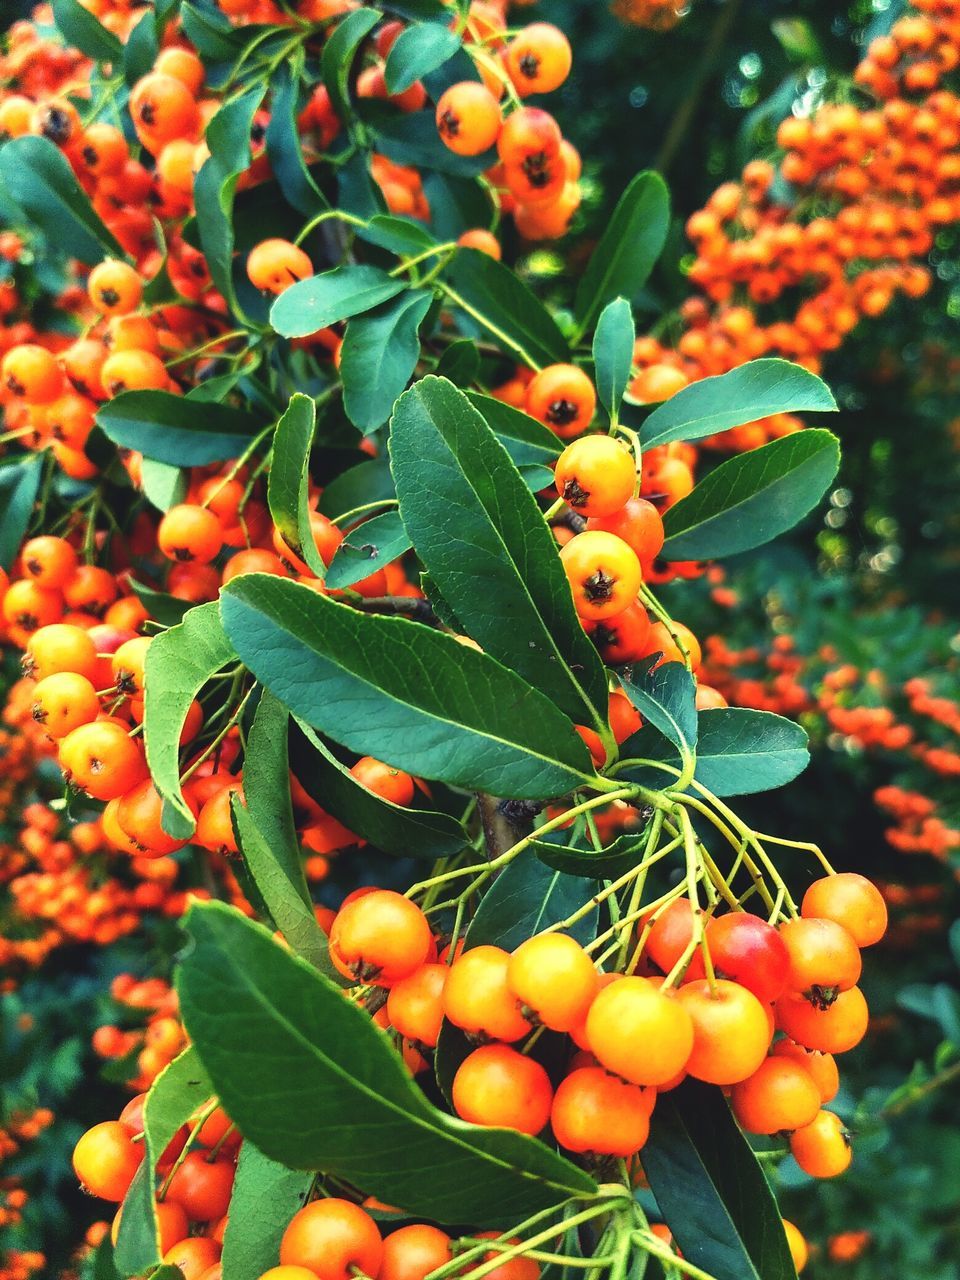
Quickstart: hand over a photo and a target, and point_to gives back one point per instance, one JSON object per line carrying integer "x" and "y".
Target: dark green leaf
{"x": 216, "y": 38}
{"x": 613, "y": 860}
{"x": 456, "y": 204}
{"x": 336, "y": 295}
{"x": 265, "y": 1197}
{"x": 80, "y": 28}
{"x": 526, "y": 898}
{"x": 754, "y": 390}
{"x": 296, "y": 1065}
{"x": 501, "y": 303}
{"x": 140, "y": 51}
{"x": 628, "y": 248}
{"x": 751, "y": 499}
{"x": 403, "y": 236}
{"x": 357, "y": 193}
{"x": 406, "y": 833}
{"x": 339, "y": 52}
{"x": 288, "y": 485}
{"x": 460, "y": 362}
{"x": 367, "y": 482}
{"x": 666, "y": 698}
{"x": 179, "y": 663}
{"x": 421, "y": 48}
{"x": 176, "y": 429}
{"x": 418, "y": 9}
{"x": 367, "y": 548}
{"x": 402, "y": 692}
{"x": 166, "y": 609}
{"x": 613, "y": 353}
{"x": 483, "y": 541}
{"x": 19, "y": 483}
{"x": 711, "y": 1189}
{"x": 164, "y": 485}
{"x": 284, "y": 146}
{"x": 741, "y": 751}
{"x": 525, "y": 439}
{"x": 228, "y": 137}
{"x": 379, "y": 355}
{"x": 40, "y": 180}
{"x": 172, "y": 1099}
{"x": 268, "y": 838}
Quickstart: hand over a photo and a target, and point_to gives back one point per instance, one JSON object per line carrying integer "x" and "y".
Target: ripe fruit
{"x": 820, "y": 1066}
{"x": 30, "y": 372}
{"x": 380, "y": 938}
{"x": 412, "y": 1252}
{"x": 477, "y": 996}
{"x": 779, "y": 1095}
{"x": 102, "y": 759}
{"x": 603, "y": 572}
{"x": 202, "y": 1186}
{"x": 639, "y": 1031}
{"x": 64, "y": 701}
{"x": 468, "y": 118}
{"x": 274, "y": 265}
{"x": 749, "y": 951}
{"x": 731, "y": 1031}
{"x": 562, "y": 396}
{"x": 496, "y": 1085}
{"x": 388, "y": 783}
{"x": 189, "y": 533}
{"x": 415, "y": 1004}
{"x": 799, "y": 1251}
{"x": 833, "y": 1029}
{"x": 330, "y": 1238}
{"x": 554, "y": 979}
{"x": 50, "y": 562}
{"x": 105, "y": 1160}
{"x": 821, "y": 1148}
{"x": 596, "y": 475}
{"x": 597, "y": 1113}
{"x": 849, "y": 900}
{"x": 538, "y": 60}
{"x": 194, "y": 1256}
{"x": 115, "y": 288}
{"x": 640, "y": 526}
{"x": 824, "y": 959}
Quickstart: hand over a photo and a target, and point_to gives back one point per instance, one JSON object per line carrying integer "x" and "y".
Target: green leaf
{"x": 176, "y": 429}
{"x": 179, "y": 663}
{"x": 499, "y": 301}
{"x": 164, "y": 485}
{"x": 419, "y": 49}
{"x": 754, "y": 390}
{"x": 268, "y": 837}
{"x": 402, "y": 692}
{"x": 666, "y": 697}
{"x": 39, "y": 179}
{"x": 265, "y": 1197}
{"x": 163, "y": 608}
{"x": 741, "y": 751}
{"x": 711, "y": 1189}
{"x": 526, "y": 898}
{"x": 357, "y": 193}
{"x": 484, "y": 542}
{"x": 397, "y": 234}
{"x": 174, "y": 1096}
{"x": 460, "y": 362}
{"x": 608, "y": 863}
{"x": 103, "y": 1265}
{"x": 367, "y": 482}
{"x": 406, "y": 833}
{"x": 751, "y": 499}
{"x": 339, "y": 52}
{"x": 367, "y": 548}
{"x": 628, "y": 249}
{"x": 228, "y": 137}
{"x": 215, "y": 37}
{"x": 19, "y": 483}
{"x": 288, "y": 484}
{"x": 379, "y": 355}
{"x": 284, "y": 147}
{"x": 296, "y": 1064}
{"x": 527, "y": 441}
{"x": 335, "y": 295}
{"x": 81, "y": 29}
{"x": 140, "y": 51}
{"x": 613, "y": 353}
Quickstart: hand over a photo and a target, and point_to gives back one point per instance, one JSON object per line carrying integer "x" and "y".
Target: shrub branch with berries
{"x": 326, "y": 532}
